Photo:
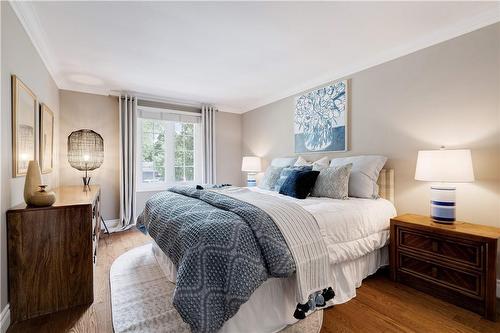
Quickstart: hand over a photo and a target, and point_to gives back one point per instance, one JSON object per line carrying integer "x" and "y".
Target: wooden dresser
{"x": 52, "y": 253}
{"x": 454, "y": 262}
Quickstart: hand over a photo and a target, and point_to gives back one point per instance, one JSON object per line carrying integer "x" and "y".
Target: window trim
{"x": 162, "y": 186}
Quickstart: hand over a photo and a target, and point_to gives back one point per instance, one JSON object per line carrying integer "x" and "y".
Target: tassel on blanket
{"x": 318, "y": 299}
{"x": 328, "y": 294}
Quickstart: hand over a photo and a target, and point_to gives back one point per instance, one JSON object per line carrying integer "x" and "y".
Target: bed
{"x": 355, "y": 233}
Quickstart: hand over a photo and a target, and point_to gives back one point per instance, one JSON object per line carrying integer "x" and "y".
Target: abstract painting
{"x": 46, "y": 139}
{"x": 24, "y": 107}
{"x": 320, "y": 122}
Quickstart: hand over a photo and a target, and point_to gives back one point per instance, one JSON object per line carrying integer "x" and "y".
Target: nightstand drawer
{"x": 452, "y": 249}
{"x": 468, "y": 282}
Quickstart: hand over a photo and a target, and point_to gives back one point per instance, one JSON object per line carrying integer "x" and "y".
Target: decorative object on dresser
{"x": 42, "y": 198}
{"x": 446, "y": 166}
{"x": 85, "y": 152}
{"x": 46, "y": 139}
{"x": 52, "y": 252}
{"x": 24, "y": 106}
{"x": 453, "y": 262}
{"x": 320, "y": 122}
{"x": 251, "y": 165}
{"x": 32, "y": 181}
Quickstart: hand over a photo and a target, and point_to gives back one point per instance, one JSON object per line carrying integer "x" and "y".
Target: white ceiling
{"x": 235, "y": 55}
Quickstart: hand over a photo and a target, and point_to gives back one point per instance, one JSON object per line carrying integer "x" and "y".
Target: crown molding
{"x": 452, "y": 31}
{"x": 31, "y": 23}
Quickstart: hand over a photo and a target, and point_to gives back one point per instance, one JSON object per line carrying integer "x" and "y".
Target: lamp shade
{"x": 454, "y": 165}
{"x": 251, "y": 164}
{"x": 85, "y": 150}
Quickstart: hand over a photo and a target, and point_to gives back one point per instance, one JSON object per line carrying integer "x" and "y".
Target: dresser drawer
{"x": 453, "y": 249}
{"x": 454, "y": 279}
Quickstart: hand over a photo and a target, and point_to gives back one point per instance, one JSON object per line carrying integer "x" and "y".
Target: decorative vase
{"x": 42, "y": 198}
{"x": 32, "y": 181}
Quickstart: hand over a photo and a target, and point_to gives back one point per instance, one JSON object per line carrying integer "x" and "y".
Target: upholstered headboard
{"x": 386, "y": 184}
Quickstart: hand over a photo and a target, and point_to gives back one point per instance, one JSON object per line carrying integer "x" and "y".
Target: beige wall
{"x": 447, "y": 94}
{"x": 228, "y": 148}
{"x": 100, "y": 114}
{"x": 19, "y": 57}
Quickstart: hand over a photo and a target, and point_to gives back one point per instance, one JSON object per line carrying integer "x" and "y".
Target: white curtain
{"x": 128, "y": 149}
{"x": 208, "y": 128}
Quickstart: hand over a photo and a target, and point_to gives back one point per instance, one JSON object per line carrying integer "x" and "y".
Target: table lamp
{"x": 252, "y": 165}
{"x": 85, "y": 152}
{"x": 444, "y": 166}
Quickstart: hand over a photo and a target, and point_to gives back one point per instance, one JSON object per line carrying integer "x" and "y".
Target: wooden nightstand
{"x": 454, "y": 262}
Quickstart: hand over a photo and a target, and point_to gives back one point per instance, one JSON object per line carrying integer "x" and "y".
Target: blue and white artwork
{"x": 321, "y": 119}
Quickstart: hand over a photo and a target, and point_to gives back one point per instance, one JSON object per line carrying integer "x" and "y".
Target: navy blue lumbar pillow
{"x": 299, "y": 184}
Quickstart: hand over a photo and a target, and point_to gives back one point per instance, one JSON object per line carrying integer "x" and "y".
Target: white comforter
{"x": 350, "y": 228}
{"x": 353, "y": 230}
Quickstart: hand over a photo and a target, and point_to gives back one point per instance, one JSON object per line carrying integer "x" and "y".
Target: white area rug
{"x": 141, "y": 298}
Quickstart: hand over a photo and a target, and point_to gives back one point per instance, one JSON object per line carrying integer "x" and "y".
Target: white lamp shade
{"x": 454, "y": 166}
{"x": 251, "y": 164}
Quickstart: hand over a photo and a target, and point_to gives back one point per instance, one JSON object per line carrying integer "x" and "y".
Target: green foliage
{"x": 184, "y": 155}
{"x": 153, "y": 146}
{"x": 153, "y": 149}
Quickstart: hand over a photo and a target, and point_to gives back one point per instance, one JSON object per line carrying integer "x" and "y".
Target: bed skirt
{"x": 271, "y": 306}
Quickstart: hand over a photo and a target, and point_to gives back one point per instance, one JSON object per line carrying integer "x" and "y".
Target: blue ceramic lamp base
{"x": 251, "y": 180}
{"x": 443, "y": 204}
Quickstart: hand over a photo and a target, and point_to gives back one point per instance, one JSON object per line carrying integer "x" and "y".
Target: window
{"x": 153, "y": 151}
{"x": 169, "y": 151}
{"x": 184, "y": 152}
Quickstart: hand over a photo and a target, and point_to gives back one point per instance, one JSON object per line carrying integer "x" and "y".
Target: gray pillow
{"x": 282, "y": 162}
{"x": 364, "y": 174}
{"x": 287, "y": 171}
{"x": 270, "y": 178}
{"x": 333, "y": 182}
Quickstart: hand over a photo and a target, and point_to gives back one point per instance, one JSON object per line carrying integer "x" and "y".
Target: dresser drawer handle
{"x": 434, "y": 246}
{"x": 434, "y": 272}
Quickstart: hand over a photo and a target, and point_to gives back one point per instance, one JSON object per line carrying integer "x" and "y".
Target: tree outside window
{"x": 153, "y": 151}
{"x": 184, "y": 152}
{"x": 168, "y": 152}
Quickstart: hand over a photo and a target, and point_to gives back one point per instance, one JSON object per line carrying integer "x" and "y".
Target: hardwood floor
{"x": 380, "y": 305}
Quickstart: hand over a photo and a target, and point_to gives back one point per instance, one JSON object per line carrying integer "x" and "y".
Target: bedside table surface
{"x": 458, "y": 227}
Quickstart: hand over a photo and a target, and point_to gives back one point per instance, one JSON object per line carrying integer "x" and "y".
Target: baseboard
{"x": 5, "y": 319}
{"x": 113, "y": 225}
{"x": 498, "y": 288}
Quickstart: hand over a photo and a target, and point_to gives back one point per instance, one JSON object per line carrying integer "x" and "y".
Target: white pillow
{"x": 318, "y": 165}
{"x": 364, "y": 174}
{"x": 282, "y": 162}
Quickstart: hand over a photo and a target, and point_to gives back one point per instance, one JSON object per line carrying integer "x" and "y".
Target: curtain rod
{"x": 156, "y": 98}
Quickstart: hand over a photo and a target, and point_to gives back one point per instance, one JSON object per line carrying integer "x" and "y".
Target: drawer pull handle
{"x": 434, "y": 272}
{"x": 434, "y": 246}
